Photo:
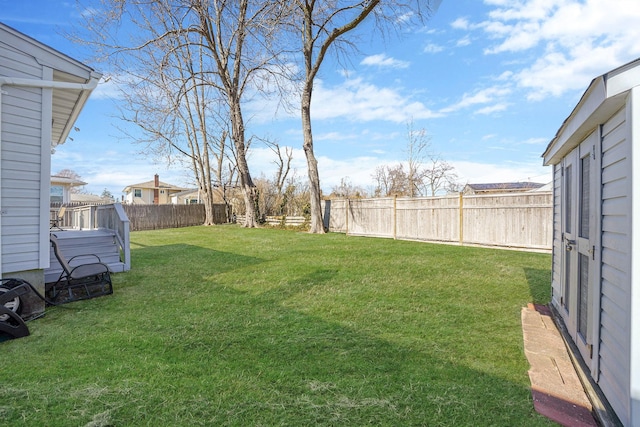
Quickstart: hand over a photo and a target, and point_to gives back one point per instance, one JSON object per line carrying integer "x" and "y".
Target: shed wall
{"x": 615, "y": 334}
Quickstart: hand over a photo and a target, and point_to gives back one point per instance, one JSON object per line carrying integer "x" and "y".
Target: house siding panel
{"x": 15, "y": 62}
{"x": 614, "y": 351}
{"x": 21, "y": 164}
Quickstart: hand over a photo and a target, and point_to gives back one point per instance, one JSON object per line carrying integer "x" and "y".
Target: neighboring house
{"x": 500, "y": 188}
{"x": 153, "y": 192}
{"x": 89, "y": 198}
{"x": 596, "y": 235}
{"x": 547, "y": 187}
{"x": 186, "y": 197}
{"x": 42, "y": 91}
{"x": 60, "y": 191}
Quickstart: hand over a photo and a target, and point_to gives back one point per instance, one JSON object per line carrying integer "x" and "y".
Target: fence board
{"x": 153, "y": 217}
{"x": 522, "y": 220}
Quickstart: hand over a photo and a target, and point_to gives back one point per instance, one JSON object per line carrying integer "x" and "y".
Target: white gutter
{"x": 46, "y": 84}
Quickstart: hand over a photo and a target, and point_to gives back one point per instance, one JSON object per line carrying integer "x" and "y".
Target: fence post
{"x": 461, "y": 219}
{"x": 346, "y": 216}
{"x": 395, "y": 218}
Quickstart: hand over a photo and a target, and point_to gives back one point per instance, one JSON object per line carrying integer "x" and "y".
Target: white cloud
{"x": 332, "y": 170}
{"x": 536, "y": 141}
{"x": 433, "y": 48}
{"x": 480, "y": 173}
{"x": 353, "y": 99}
{"x": 492, "y": 109}
{"x": 382, "y": 60}
{"x": 90, "y": 11}
{"x": 107, "y": 89}
{"x": 334, "y": 136}
{"x": 357, "y": 100}
{"x": 460, "y": 24}
{"x": 465, "y": 41}
{"x": 359, "y": 170}
{"x": 573, "y": 41}
{"x": 492, "y": 95}
{"x": 115, "y": 172}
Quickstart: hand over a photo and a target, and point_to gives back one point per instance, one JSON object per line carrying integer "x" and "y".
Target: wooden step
{"x": 102, "y": 243}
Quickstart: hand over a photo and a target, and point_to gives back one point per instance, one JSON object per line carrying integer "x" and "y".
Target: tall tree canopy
{"x": 186, "y": 66}
{"x": 322, "y": 26}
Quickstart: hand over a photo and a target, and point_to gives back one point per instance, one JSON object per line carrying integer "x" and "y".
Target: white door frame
{"x": 580, "y": 227}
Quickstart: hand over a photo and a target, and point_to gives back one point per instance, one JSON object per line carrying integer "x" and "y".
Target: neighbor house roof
{"x": 502, "y": 187}
{"x": 187, "y": 192}
{"x": 151, "y": 185}
{"x": 79, "y": 197}
{"x": 64, "y": 180}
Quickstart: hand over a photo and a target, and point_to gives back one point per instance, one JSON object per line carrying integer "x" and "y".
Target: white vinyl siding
{"x": 21, "y": 178}
{"x": 21, "y": 164}
{"x": 615, "y": 335}
{"x": 15, "y": 63}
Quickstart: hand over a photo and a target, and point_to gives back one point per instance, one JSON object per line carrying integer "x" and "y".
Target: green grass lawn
{"x": 225, "y": 326}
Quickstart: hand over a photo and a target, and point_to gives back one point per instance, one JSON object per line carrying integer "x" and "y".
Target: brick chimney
{"x": 156, "y": 189}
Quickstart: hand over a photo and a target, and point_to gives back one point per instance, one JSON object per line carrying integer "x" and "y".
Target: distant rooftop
{"x": 501, "y": 187}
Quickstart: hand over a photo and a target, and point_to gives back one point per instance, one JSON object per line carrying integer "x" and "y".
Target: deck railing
{"x": 113, "y": 217}
{"x": 101, "y": 216}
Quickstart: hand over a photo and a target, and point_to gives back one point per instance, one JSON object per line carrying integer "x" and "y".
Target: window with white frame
{"x": 56, "y": 194}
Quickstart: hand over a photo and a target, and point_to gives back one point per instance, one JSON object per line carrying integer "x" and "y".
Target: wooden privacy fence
{"x": 152, "y": 217}
{"x": 275, "y": 221}
{"x": 522, "y": 220}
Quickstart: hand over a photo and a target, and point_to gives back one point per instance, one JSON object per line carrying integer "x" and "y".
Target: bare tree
{"x": 391, "y": 181}
{"x": 283, "y": 164}
{"x": 224, "y": 173}
{"x": 321, "y": 26}
{"x": 418, "y": 144}
{"x": 296, "y": 197}
{"x": 426, "y": 172}
{"x": 381, "y": 180}
{"x": 439, "y": 175}
{"x": 71, "y": 174}
{"x": 191, "y": 61}
{"x": 346, "y": 189}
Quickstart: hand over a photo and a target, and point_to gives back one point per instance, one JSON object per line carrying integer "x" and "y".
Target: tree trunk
{"x": 248, "y": 188}
{"x": 317, "y": 225}
{"x": 207, "y": 200}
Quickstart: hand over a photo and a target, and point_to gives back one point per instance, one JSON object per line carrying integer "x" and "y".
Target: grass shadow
{"x": 539, "y": 281}
{"x": 306, "y": 332}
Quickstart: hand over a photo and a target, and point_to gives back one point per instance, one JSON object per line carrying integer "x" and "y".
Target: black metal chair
{"x": 79, "y": 280}
{"x": 11, "y": 324}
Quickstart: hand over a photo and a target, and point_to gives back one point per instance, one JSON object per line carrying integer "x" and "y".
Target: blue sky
{"x": 491, "y": 82}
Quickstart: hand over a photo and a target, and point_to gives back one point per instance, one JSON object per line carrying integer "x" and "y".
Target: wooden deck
{"x": 101, "y": 242}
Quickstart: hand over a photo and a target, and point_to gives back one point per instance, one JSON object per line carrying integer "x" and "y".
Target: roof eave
{"x": 605, "y": 95}
{"x": 91, "y": 84}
